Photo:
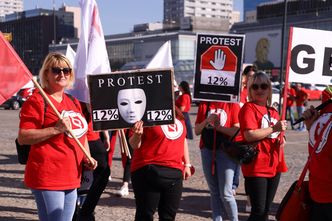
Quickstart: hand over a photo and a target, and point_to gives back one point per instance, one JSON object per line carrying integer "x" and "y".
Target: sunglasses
{"x": 255, "y": 87}
{"x": 57, "y": 70}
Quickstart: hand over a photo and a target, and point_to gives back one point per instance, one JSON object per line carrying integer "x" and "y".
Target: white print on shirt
{"x": 316, "y": 129}
{"x": 266, "y": 122}
{"x": 221, "y": 114}
{"x": 78, "y": 123}
{"x": 173, "y": 131}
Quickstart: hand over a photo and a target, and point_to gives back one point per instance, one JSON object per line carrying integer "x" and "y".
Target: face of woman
{"x": 260, "y": 92}
{"x": 58, "y": 75}
{"x": 131, "y": 104}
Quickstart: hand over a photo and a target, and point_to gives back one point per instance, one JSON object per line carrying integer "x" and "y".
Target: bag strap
{"x": 305, "y": 169}
{"x": 236, "y": 133}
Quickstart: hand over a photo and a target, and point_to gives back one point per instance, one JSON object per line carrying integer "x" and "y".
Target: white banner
{"x": 309, "y": 56}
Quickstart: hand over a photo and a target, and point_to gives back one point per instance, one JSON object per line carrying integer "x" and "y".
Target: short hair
{"x": 52, "y": 59}
{"x": 249, "y": 68}
{"x": 265, "y": 79}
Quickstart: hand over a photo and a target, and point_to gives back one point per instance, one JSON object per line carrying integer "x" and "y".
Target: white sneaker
{"x": 248, "y": 205}
{"x": 110, "y": 178}
{"x": 124, "y": 191}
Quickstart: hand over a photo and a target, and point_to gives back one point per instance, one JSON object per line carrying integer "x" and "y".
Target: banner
{"x": 218, "y": 67}
{"x": 13, "y": 72}
{"x": 309, "y": 55}
{"x": 91, "y": 57}
{"x": 120, "y": 99}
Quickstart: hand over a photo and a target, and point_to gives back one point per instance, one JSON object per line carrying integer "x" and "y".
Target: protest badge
{"x": 309, "y": 57}
{"x": 120, "y": 99}
{"x": 218, "y": 67}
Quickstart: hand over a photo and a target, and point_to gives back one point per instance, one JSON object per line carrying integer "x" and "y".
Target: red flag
{"x": 13, "y": 72}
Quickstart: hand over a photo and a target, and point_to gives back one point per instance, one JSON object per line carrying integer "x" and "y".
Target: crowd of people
{"x": 160, "y": 158}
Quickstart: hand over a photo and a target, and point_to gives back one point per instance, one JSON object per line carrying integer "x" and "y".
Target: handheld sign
{"x": 120, "y": 99}
{"x": 310, "y": 56}
{"x": 218, "y": 67}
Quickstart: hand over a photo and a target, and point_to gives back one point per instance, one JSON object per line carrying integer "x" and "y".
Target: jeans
{"x": 236, "y": 179}
{"x": 156, "y": 186}
{"x": 220, "y": 184}
{"x": 289, "y": 110}
{"x": 189, "y": 128}
{"x": 300, "y": 111}
{"x": 55, "y": 205}
{"x": 261, "y": 191}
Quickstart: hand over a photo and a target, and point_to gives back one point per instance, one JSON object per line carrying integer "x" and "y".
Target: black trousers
{"x": 321, "y": 211}
{"x": 261, "y": 191}
{"x": 157, "y": 187}
{"x": 100, "y": 180}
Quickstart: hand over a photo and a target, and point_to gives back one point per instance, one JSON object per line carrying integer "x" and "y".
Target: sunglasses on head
{"x": 57, "y": 70}
{"x": 262, "y": 86}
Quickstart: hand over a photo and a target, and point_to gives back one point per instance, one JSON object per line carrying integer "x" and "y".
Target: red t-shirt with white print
{"x": 56, "y": 163}
{"x": 266, "y": 164}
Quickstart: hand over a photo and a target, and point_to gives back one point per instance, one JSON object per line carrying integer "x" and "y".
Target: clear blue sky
{"x": 118, "y": 16}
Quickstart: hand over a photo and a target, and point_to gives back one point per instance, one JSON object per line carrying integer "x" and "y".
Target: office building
{"x": 199, "y": 15}
{"x": 33, "y": 30}
{"x": 249, "y": 9}
{"x": 9, "y": 7}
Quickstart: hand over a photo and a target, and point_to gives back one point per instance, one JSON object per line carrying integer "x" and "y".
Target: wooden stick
{"x": 121, "y": 141}
{"x": 87, "y": 155}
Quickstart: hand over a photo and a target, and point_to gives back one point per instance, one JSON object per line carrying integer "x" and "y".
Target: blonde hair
{"x": 264, "y": 78}
{"x": 51, "y": 60}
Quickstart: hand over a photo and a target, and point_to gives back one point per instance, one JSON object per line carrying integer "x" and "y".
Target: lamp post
{"x": 283, "y": 32}
{"x": 54, "y": 24}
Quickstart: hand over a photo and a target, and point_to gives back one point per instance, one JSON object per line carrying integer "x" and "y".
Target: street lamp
{"x": 283, "y": 31}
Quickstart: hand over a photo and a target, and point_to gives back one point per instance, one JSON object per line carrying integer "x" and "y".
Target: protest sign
{"x": 120, "y": 99}
{"x": 218, "y": 67}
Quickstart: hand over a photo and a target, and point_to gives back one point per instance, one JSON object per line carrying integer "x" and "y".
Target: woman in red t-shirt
{"x": 54, "y": 167}
{"x": 183, "y": 102}
{"x": 320, "y": 165}
{"x": 260, "y": 124}
{"x": 159, "y": 165}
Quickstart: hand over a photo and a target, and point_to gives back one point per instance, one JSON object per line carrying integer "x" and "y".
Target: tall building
{"x": 9, "y": 7}
{"x": 249, "y": 9}
{"x": 198, "y": 15}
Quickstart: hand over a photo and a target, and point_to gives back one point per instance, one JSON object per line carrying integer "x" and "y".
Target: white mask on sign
{"x": 132, "y": 104}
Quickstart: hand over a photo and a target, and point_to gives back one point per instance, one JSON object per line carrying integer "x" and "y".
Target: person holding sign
{"x": 215, "y": 122}
{"x": 320, "y": 164}
{"x": 259, "y": 122}
{"x": 183, "y": 102}
{"x": 159, "y": 165}
{"x": 53, "y": 171}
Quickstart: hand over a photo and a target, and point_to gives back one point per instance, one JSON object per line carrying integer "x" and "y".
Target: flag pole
{"x": 42, "y": 92}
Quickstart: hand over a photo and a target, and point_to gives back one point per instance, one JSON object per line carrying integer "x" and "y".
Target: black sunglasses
{"x": 57, "y": 70}
{"x": 262, "y": 86}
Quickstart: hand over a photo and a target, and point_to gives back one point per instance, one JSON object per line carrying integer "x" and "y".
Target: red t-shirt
{"x": 291, "y": 94}
{"x": 320, "y": 167}
{"x": 301, "y": 96}
{"x": 92, "y": 135}
{"x": 228, "y": 113}
{"x": 267, "y": 163}
{"x": 243, "y": 96}
{"x": 54, "y": 164}
{"x": 183, "y": 101}
{"x": 161, "y": 145}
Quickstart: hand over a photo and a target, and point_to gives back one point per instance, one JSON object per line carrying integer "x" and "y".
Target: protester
{"x": 260, "y": 124}
{"x": 98, "y": 150}
{"x": 126, "y": 162}
{"x": 183, "y": 102}
{"x": 247, "y": 73}
{"x": 53, "y": 171}
{"x": 157, "y": 169}
{"x": 301, "y": 100}
{"x": 217, "y": 121}
{"x": 291, "y": 95}
{"x": 320, "y": 164}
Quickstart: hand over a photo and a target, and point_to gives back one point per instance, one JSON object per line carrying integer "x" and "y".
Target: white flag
{"x": 91, "y": 57}
{"x": 70, "y": 54}
{"x": 163, "y": 59}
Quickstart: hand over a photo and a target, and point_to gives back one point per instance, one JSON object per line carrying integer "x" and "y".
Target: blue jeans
{"x": 289, "y": 110}
{"x": 55, "y": 205}
{"x": 220, "y": 184}
{"x": 300, "y": 111}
